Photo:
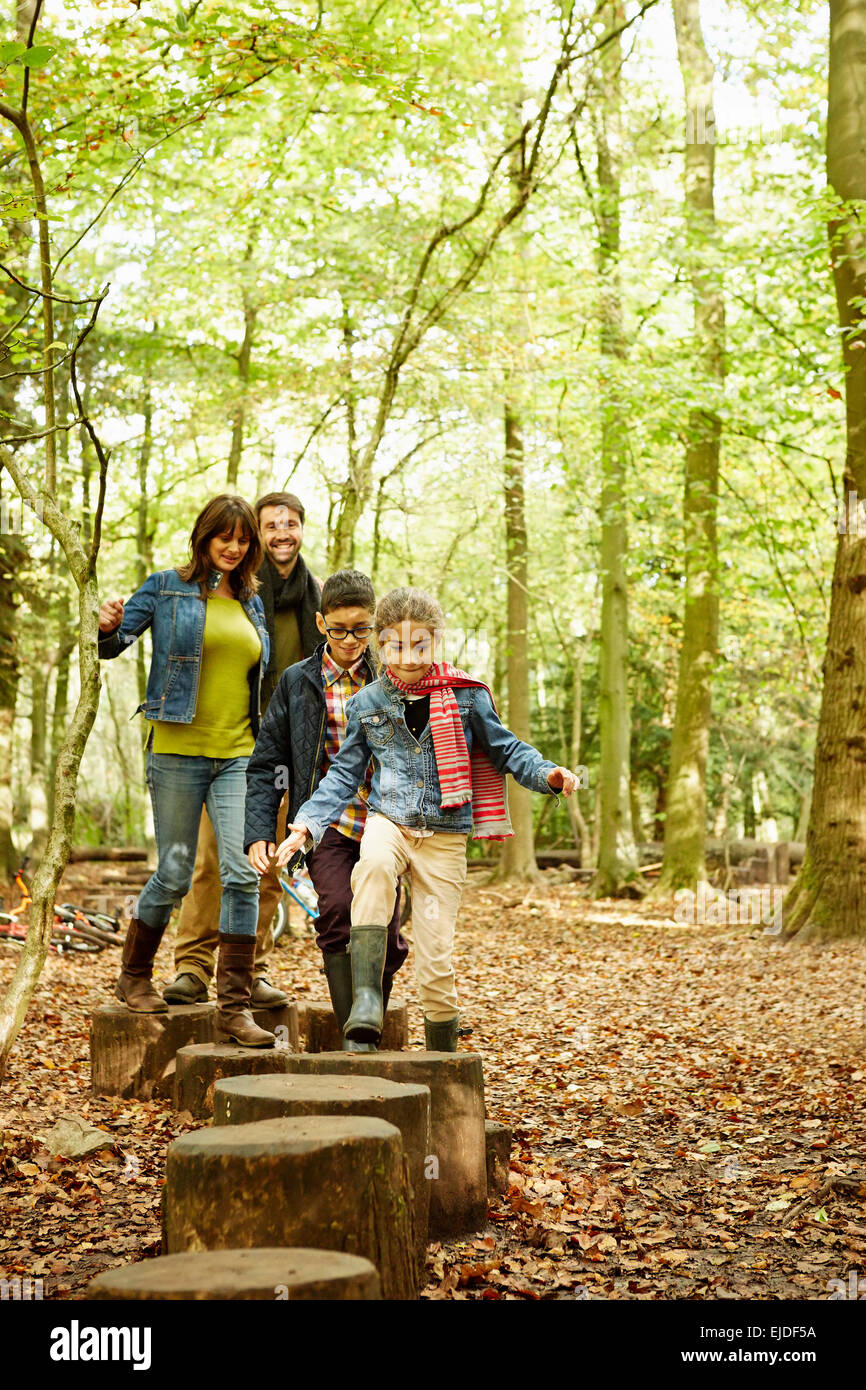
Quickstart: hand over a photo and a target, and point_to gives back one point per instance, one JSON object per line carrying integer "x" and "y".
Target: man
{"x": 290, "y": 595}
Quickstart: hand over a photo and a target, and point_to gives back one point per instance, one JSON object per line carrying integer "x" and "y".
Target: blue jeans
{"x": 179, "y": 786}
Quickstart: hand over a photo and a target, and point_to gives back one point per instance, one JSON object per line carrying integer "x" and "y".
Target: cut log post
{"x": 245, "y": 1099}
{"x": 202, "y": 1065}
{"x": 498, "y": 1140}
{"x": 321, "y": 1182}
{"x": 323, "y": 1031}
{"x": 457, "y": 1161}
{"x": 270, "y": 1274}
{"x": 134, "y": 1054}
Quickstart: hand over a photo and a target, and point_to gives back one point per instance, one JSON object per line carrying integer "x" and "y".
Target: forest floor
{"x": 681, "y": 1098}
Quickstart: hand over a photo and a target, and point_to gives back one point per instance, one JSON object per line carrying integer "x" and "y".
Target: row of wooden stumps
{"x": 317, "y": 1174}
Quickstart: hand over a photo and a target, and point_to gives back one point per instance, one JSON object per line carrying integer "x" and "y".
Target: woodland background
{"x": 487, "y": 285}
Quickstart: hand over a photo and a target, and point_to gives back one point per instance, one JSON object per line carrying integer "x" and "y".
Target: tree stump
{"x": 323, "y": 1031}
{"x": 457, "y": 1161}
{"x": 200, "y": 1066}
{"x": 276, "y": 1274}
{"x": 134, "y": 1054}
{"x": 245, "y": 1099}
{"x": 283, "y": 1021}
{"x": 321, "y": 1182}
{"x": 498, "y": 1141}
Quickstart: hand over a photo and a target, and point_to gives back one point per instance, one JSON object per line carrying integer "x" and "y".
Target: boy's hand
{"x": 561, "y": 780}
{"x": 260, "y": 853}
{"x": 111, "y": 614}
{"x": 290, "y": 846}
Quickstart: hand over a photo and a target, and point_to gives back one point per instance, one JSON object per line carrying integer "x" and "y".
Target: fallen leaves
{"x": 667, "y": 1087}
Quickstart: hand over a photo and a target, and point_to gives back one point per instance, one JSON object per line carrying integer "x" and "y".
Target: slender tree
{"x": 686, "y": 800}
{"x": 829, "y": 897}
{"x": 617, "y": 854}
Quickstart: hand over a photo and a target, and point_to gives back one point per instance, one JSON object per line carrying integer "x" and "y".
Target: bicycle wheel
{"x": 12, "y": 932}
{"x": 281, "y": 920}
{"x": 102, "y": 921}
{"x": 72, "y": 941}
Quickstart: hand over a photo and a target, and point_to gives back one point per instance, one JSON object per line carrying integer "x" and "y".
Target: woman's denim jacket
{"x": 175, "y": 611}
{"x": 405, "y": 785}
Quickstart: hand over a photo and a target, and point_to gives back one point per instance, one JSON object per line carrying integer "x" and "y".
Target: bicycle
{"x": 73, "y": 929}
{"x": 297, "y": 886}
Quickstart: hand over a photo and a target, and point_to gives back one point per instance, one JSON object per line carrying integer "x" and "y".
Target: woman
{"x": 210, "y": 647}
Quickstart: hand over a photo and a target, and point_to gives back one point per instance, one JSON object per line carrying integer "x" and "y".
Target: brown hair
{"x": 219, "y": 518}
{"x": 412, "y": 605}
{"x": 280, "y": 499}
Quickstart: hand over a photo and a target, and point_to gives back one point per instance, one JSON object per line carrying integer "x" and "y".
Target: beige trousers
{"x": 436, "y": 865}
{"x": 198, "y": 925}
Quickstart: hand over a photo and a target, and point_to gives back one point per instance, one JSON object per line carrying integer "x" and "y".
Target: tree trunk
{"x": 829, "y": 897}
{"x": 239, "y": 408}
{"x": 38, "y": 731}
{"x": 44, "y": 885}
{"x": 617, "y": 855}
{"x": 355, "y": 491}
{"x": 11, "y": 558}
{"x": 685, "y": 825}
{"x": 66, "y": 642}
{"x": 47, "y": 877}
{"x": 518, "y": 853}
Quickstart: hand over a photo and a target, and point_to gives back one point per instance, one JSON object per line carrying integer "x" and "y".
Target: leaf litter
{"x": 686, "y": 1106}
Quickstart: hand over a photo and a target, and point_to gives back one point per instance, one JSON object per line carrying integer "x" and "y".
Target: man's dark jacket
{"x": 290, "y": 747}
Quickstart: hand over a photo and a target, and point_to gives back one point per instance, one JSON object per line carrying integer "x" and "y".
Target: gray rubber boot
{"x": 441, "y": 1037}
{"x": 338, "y": 973}
{"x": 367, "y": 948}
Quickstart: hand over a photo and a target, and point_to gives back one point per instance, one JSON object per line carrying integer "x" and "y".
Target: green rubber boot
{"x": 441, "y": 1037}
{"x": 338, "y": 973}
{"x": 367, "y": 947}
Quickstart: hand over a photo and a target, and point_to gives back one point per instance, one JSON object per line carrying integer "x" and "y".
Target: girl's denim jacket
{"x": 175, "y": 611}
{"x": 405, "y": 785}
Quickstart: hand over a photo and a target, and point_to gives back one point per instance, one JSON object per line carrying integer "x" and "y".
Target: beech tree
{"x": 686, "y": 799}
{"x": 829, "y": 897}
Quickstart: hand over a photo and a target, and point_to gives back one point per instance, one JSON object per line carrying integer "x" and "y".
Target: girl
{"x": 210, "y": 646}
{"x": 439, "y": 757}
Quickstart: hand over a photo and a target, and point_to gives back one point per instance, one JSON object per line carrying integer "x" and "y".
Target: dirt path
{"x": 679, "y": 1095}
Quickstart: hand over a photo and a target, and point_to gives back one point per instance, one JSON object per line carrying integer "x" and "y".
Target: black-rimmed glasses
{"x": 340, "y": 634}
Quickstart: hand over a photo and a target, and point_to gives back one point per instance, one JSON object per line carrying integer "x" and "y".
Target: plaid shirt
{"x": 339, "y": 686}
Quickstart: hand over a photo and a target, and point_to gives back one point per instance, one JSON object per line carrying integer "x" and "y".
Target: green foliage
{"x": 213, "y": 161}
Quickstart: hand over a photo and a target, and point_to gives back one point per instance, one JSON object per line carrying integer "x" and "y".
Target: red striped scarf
{"x": 462, "y": 776}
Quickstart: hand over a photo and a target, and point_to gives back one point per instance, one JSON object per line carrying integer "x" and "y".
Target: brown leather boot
{"x": 234, "y": 980}
{"x": 134, "y": 985}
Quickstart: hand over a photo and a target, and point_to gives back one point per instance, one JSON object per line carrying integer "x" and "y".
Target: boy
{"x": 300, "y": 735}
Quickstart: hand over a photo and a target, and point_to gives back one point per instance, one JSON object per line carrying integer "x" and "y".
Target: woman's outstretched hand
{"x": 561, "y": 780}
{"x": 290, "y": 846}
{"x": 260, "y": 853}
{"x": 111, "y": 614}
